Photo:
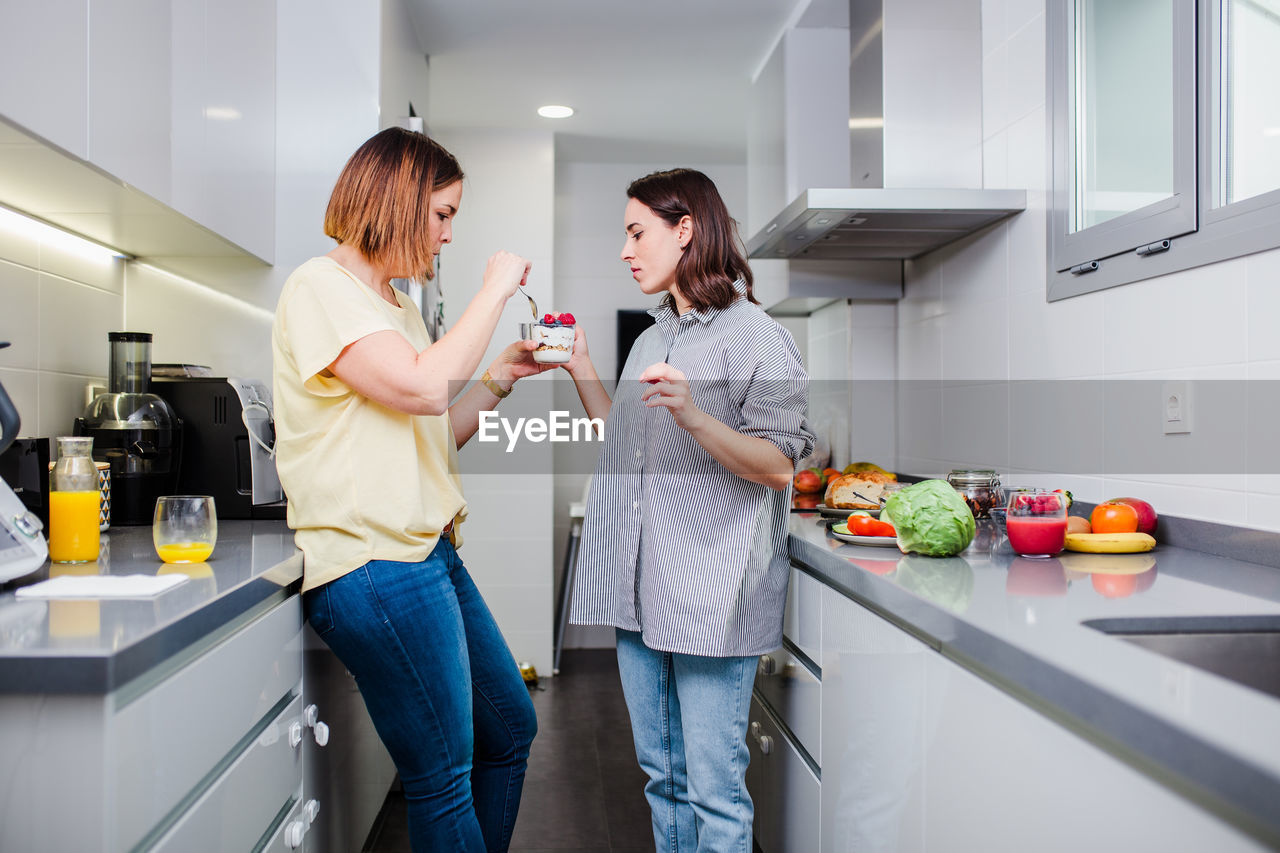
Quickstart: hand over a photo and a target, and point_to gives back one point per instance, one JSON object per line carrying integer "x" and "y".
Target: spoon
{"x": 533, "y": 306}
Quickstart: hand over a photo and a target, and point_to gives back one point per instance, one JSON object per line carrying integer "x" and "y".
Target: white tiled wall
{"x": 59, "y": 308}
{"x": 975, "y": 313}
{"x": 508, "y": 202}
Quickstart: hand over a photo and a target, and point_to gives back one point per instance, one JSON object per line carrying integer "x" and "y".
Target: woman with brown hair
{"x": 684, "y": 541}
{"x": 367, "y": 438}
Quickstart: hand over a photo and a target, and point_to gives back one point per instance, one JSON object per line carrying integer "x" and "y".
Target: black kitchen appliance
{"x": 135, "y": 431}
{"x": 228, "y": 443}
{"x": 24, "y": 466}
{"x": 22, "y": 546}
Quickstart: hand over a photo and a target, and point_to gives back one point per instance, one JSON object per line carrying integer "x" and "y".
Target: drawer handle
{"x": 767, "y": 665}
{"x": 294, "y": 833}
{"x": 764, "y": 741}
{"x": 319, "y": 729}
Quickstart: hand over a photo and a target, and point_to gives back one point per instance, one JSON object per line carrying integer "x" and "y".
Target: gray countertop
{"x": 97, "y": 646}
{"x": 1020, "y": 624}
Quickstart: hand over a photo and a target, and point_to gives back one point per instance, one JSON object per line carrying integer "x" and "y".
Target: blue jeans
{"x": 442, "y": 689}
{"x": 689, "y": 722}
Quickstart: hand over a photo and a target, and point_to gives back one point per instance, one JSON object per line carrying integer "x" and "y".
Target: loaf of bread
{"x": 856, "y": 491}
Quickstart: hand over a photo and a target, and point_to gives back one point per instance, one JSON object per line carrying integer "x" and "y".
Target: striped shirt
{"x": 675, "y": 545}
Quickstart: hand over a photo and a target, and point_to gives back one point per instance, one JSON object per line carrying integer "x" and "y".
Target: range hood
{"x": 875, "y": 224}
{"x": 877, "y": 155}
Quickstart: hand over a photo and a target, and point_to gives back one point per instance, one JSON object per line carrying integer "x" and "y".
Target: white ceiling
{"x": 649, "y": 79}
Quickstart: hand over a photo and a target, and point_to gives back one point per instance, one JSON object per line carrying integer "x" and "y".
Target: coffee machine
{"x": 135, "y": 431}
{"x": 228, "y": 443}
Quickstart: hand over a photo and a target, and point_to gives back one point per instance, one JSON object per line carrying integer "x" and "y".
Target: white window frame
{"x": 1132, "y": 247}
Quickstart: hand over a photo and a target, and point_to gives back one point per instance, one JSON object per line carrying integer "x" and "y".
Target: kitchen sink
{"x": 1244, "y": 649}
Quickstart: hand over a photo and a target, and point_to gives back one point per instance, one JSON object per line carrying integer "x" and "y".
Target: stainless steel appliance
{"x": 228, "y": 443}
{"x": 22, "y": 546}
{"x": 135, "y": 431}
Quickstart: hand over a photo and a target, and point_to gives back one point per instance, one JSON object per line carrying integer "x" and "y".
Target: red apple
{"x": 810, "y": 480}
{"x": 1146, "y": 513}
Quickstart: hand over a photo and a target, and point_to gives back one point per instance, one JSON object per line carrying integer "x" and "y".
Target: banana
{"x": 1110, "y": 543}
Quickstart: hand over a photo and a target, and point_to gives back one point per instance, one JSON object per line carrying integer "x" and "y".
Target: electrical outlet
{"x": 1175, "y": 408}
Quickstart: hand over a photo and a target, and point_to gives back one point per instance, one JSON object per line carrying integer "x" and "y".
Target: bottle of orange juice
{"x": 74, "y": 500}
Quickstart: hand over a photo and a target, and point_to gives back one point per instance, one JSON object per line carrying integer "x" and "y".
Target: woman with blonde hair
{"x": 367, "y": 438}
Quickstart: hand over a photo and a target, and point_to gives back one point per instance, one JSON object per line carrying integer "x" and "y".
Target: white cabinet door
{"x": 1001, "y": 777}
{"x": 802, "y": 619}
{"x": 785, "y": 792}
{"x": 920, "y": 754}
{"x": 223, "y": 118}
{"x": 44, "y": 66}
{"x": 874, "y": 731}
{"x": 129, "y": 94}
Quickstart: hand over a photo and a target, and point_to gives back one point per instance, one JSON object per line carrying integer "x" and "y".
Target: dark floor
{"x": 584, "y": 790}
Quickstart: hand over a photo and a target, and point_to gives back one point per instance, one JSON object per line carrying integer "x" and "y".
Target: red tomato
{"x": 883, "y": 528}
{"x": 1114, "y": 518}
{"x": 865, "y": 525}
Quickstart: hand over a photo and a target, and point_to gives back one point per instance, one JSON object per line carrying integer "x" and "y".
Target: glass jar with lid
{"x": 980, "y": 488}
{"x": 74, "y": 503}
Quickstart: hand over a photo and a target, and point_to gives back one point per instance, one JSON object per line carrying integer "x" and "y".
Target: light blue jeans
{"x": 689, "y": 722}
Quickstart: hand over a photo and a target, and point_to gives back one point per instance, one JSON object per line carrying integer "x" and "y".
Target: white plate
{"x": 877, "y": 541}
{"x": 844, "y": 513}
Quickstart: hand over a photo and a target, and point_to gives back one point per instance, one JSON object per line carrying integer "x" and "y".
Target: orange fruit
{"x": 1114, "y": 518}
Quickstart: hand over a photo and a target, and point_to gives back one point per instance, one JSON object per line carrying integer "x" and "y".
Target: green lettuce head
{"x": 931, "y": 519}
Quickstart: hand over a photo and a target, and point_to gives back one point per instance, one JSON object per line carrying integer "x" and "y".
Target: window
{"x": 1166, "y": 137}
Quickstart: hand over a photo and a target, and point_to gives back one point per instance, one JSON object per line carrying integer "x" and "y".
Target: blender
{"x": 133, "y": 430}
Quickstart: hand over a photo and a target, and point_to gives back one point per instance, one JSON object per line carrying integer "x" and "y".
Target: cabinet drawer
{"x": 245, "y": 802}
{"x": 168, "y": 739}
{"x": 786, "y": 793}
{"x": 802, "y": 619}
{"x": 795, "y": 694}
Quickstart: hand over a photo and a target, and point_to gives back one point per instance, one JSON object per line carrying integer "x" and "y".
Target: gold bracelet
{"x": 494, "y": 388}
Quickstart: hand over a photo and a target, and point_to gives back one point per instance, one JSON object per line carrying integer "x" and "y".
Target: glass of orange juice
{"x": 185, "y": 528}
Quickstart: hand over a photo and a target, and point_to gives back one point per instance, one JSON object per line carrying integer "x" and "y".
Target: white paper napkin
{"x": 101, "y": 586}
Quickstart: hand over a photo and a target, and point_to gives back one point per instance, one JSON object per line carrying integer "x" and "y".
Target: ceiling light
{"x": 39, "y": 231}
{"x": 869, "y": 123}
{"x": 555, "y": 111}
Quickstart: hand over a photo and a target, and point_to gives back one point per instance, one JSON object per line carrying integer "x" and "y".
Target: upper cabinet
{"x": 129, "y": 96}
{"x": 153, "y": 100}
{"x": 224, "y": 118}
{"x": 44, "y": 61}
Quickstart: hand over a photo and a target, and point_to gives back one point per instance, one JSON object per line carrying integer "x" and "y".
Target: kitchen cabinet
{"x": 209, "y": 718}
{"x": 224, "y": 118}
{"x": 785, "y": 790}
{"x": 194, "y": 755}
{"x": 784, "y": 728}
{"x": 44, "y": 61}
{"x": 129, "y": 96}
{"x": 920, "y": 753}
{"x": 175, "y": 98}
